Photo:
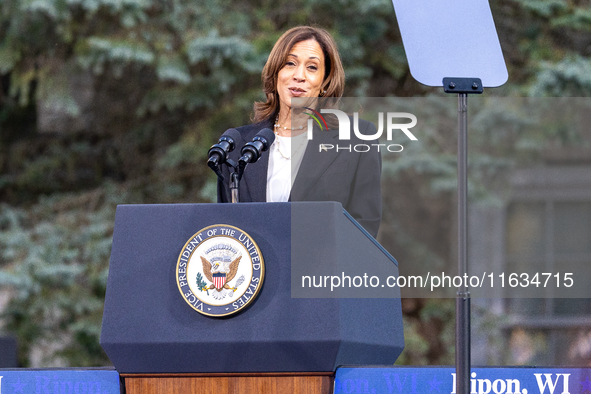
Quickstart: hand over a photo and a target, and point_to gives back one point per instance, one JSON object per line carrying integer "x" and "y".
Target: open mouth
{"x": 297, "y": 91}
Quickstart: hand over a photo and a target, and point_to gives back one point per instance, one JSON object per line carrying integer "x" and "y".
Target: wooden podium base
{"x": 236, "y": 383}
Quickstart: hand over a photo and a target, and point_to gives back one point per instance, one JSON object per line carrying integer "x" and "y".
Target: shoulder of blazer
{"x": 254, "y": 128}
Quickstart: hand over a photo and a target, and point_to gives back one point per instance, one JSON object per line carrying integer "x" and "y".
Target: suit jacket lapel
{"x": 314, "y": 162}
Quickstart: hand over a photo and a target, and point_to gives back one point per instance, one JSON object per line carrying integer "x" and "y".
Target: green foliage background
{"x": 163, "y": 80}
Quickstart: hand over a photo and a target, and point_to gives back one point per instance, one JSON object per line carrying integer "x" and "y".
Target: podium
{"x": 159, "y": 343}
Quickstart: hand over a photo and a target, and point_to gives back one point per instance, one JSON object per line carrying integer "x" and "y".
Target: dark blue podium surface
{"x": 149, "y": 328}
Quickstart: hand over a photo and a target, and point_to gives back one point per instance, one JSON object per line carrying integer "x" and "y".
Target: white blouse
{"x": 285, "y": 158}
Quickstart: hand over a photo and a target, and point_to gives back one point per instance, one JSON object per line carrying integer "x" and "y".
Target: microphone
{"x": 218, "y": 153}
{"x": 251, "y": 152}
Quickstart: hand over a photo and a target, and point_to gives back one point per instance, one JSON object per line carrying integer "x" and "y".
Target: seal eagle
{"x": 229, "y": 270}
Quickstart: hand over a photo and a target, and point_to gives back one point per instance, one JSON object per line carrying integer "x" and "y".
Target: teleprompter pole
{"x": 463, "y": 294}
{"x": 463, "y": 87}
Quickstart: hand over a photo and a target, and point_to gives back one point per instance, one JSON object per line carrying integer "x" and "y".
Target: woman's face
{"x": 303, "y": 72}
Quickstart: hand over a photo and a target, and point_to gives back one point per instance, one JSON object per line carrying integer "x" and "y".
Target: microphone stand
{"x": 251, "y": 152}
{"x": 234, "y": 185}
{"x": 234, "y": 181}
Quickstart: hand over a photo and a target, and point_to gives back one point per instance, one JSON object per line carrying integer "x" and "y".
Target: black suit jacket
{"x": 349, "y": 177}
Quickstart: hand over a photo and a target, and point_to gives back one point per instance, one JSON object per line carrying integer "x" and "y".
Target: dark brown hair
{"x": 334, "y": 75}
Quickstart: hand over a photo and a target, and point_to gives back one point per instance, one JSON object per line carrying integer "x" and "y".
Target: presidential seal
{"x": 220, "y": 270}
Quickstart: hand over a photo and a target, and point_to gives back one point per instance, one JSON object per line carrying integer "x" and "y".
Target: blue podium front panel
{"x": 148, "y": 327}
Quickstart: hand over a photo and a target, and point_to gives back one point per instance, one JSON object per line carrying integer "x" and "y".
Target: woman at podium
{"x": 305, "y": 63}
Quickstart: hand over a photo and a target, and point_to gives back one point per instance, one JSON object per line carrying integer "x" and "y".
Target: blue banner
{"x": 493, "y": 380}
{"x": 59, "y": 381}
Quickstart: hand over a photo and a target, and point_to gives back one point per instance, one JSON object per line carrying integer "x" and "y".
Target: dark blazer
{"x": 351, "y": 178}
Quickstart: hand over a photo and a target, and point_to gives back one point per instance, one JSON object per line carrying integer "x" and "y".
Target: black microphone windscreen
{"x": 267, "y": 134}
{"x": 232, "y": 134}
